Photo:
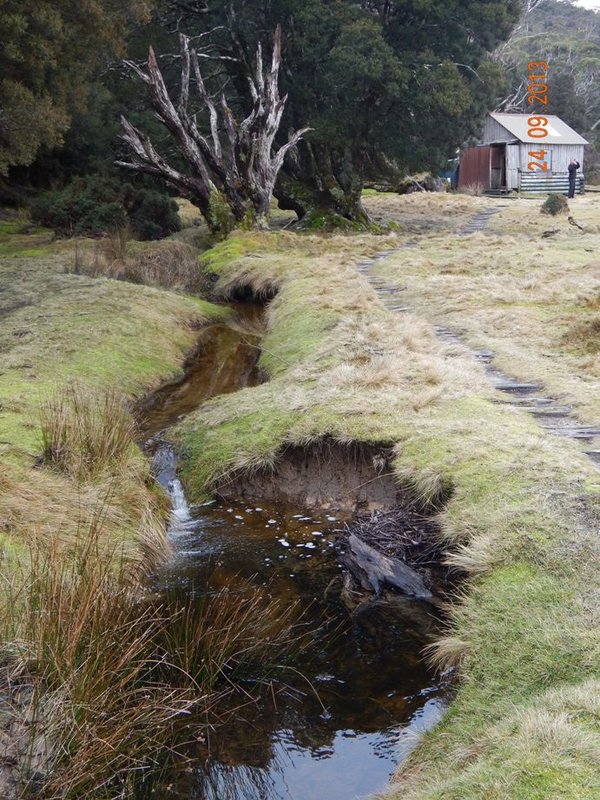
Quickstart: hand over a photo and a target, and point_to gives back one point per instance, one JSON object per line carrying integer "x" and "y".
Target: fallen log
{"x": 374, "y": 570}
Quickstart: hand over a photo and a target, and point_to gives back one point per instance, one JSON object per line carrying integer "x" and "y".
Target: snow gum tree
{"x": 230, "y": 173}
{"x": 399, "y": 82}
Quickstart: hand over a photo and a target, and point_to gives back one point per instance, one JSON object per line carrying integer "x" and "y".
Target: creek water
{"x": 364, "y": 695}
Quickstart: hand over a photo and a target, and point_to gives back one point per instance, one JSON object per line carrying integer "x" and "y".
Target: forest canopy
{"x": 386, "y": 86}
{"x": 49, "y": 55}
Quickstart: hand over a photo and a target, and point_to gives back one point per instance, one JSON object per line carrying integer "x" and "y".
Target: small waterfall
{"x": 164, "y": 466}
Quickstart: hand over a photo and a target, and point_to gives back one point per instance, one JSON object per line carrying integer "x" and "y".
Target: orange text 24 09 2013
{"x": 537, "y": 92}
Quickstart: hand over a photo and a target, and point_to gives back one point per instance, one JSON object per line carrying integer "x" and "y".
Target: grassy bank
{"x": 58, "y": 328}
{"x": 522, "y": 516}
{"x": 80, "y": 519}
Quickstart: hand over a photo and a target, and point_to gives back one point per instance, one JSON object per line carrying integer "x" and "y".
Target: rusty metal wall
{"x": 474, "y": 167}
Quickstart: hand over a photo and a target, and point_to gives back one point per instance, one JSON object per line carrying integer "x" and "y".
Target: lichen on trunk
{"x": 323, "y": 185}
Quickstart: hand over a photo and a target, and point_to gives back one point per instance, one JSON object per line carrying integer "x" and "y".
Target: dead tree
{"x": 232, "y": 170}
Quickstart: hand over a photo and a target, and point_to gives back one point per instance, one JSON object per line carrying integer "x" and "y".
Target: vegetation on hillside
{"x": 100, "y": 682}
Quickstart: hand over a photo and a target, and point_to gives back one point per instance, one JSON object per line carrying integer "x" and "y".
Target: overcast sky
{"x": 589, "y": 4}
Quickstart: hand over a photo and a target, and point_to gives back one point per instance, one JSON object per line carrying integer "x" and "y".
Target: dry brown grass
{"x": 188, "y": 213}
{"x": 448, "y": 652}
{"x": 526, "y": 298}
{"x": 472, "y": 189}
{"x": 100, "y": 682}
{"x": 584, "y": 336}
{"x": 423, "y": 212}
{"x": 169, "y": 264}
{"x": 85, "y": 433}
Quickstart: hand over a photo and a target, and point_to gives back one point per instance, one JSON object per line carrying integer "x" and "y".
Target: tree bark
{"x": 228, "y": 181}
{"x": 323, "y": 186}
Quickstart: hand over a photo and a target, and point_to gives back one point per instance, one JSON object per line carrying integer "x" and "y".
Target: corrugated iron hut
{"x": 502, "y": 162}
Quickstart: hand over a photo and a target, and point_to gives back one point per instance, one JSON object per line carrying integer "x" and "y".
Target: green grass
{"x": 522, "y": 518}
{"x": 57, "y": 328}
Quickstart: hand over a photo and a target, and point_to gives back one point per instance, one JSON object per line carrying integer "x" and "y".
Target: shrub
{"x": 555, "y": 204}
{"x": 84, "y": 434}
{"x": 152, "y": 215}
{"x": 87, "y": 205}
{"x": 96, "y": 205}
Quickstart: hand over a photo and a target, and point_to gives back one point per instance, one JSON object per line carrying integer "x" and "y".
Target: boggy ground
{"x": 521, "y": 512}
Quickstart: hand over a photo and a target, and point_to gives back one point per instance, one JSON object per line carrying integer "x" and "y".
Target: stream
{"x": 341, "y": 727}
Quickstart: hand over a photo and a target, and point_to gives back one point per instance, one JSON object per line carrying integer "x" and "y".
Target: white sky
{"x": 595, "y": 4}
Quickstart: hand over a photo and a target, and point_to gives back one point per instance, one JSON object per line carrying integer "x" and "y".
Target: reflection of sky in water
{"x": 353, "y": 766}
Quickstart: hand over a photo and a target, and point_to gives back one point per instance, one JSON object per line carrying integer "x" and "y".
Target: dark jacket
{"x": 573, "y": 169}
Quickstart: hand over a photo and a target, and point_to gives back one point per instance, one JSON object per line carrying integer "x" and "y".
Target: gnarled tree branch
{"x": 241, "y": 170}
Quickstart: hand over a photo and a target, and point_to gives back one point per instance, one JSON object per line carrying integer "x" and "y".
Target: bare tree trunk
{"x": 228, "y": 182}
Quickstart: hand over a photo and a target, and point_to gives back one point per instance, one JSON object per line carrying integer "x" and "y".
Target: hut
{"x": 504, "y": 160}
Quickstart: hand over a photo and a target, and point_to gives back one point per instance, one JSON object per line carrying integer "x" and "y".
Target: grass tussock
{"x": 472, "y": 189}
{"x": 85, "y": 433}
{"x": 167, "y": 264}
{"x": 102, "y": 683}
{"x": 584, "y": 336}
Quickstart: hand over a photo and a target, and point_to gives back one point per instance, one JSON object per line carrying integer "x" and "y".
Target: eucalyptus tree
{"x": 377, "y": 80}
{"x": 229, "y": 173}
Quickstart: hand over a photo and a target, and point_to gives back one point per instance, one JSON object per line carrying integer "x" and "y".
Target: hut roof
{"x": 558, "y": 131}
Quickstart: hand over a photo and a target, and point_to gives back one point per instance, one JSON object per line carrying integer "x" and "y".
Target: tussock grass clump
{"x": 114, "y": 246}
{"x": 472, "y": 189}
{"x": 103, "y": 684}
{"x": 584, "y": 336}
{"x": 166, "y": 264}
{"x": 86, "y": 433}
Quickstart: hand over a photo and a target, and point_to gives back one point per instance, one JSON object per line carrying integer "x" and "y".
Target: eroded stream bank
{"x": 350, "y": 717}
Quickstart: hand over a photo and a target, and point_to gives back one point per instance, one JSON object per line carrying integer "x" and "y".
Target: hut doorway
{"x": 498, "y": 166}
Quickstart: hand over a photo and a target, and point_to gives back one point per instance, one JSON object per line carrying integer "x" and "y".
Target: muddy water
{"x": 341, "y": 727}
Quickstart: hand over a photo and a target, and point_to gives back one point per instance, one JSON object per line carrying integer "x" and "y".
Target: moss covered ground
{"x": 523, "y": 516}
{"x": 58, "y": 328}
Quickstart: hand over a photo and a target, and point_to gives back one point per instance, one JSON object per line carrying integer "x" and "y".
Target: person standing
{"x": 573, "y": 167}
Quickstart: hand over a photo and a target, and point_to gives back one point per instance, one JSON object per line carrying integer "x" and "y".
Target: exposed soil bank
{"x": 326, "y": 474}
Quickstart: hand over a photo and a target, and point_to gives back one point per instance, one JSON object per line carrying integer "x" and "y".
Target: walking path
{"x": 549, "y": 412}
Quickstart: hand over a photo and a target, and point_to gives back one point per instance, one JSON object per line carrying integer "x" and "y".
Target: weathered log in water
{"x": 373, "y": 570}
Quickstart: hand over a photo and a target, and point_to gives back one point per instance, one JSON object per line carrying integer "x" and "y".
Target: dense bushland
{"x": 97, "y": 205}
